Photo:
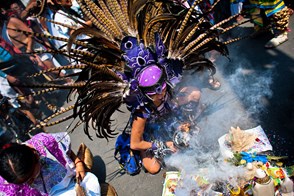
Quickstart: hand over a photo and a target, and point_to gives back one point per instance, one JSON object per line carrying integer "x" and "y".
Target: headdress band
{"x": 152, "y": 80}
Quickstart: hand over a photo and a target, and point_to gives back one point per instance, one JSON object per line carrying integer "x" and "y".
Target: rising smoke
{"x": 238, "y": 103}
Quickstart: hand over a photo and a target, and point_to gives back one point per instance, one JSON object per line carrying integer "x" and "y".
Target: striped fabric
{"x": 270, "y": 6}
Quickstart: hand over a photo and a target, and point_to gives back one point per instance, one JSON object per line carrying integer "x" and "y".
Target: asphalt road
{"x": 257, "y": 89}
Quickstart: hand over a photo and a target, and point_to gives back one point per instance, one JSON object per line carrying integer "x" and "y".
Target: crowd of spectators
{"x": 22, "y": 55}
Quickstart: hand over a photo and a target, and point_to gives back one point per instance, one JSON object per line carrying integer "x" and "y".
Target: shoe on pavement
{"x": 276, "y": 41}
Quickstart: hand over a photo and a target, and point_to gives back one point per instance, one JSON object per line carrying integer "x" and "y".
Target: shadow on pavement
{"x": 277, "y": 96}
{"x": 99, "y": 168}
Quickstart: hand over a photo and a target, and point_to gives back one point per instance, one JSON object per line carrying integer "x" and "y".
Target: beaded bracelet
{"x": 154, "y": 146}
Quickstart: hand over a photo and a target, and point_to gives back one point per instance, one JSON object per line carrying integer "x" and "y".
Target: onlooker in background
{"x": 62, "y": 13}
{"x": 32, "y": 22}
{"x": 44, "y": 165}
{"x": 236, "y": 8}
{"x": 22, "y": 12}
{"x": 18, "y": 9}
{"x": 7, "y": 91}
{"x": 14, "y": 63}
{"x": 276, "y": 14}
{"x": 14, "y": 66}
{"x": 25, "y": 43}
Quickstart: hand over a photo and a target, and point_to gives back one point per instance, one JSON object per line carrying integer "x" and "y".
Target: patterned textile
{"x": 256, "y": 17}
{"x": 270, "y": 6}
{"x": 55, "y": 166}
{"x": 57, "y": 144}
{"x": 161, "y": 124}
{"x": 280, "y": 20}
{"x": 55, "y": 162}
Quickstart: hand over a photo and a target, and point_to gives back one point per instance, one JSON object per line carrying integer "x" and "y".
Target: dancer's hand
{"x": 185, "y": 127}
{"x": 171, "y": 146}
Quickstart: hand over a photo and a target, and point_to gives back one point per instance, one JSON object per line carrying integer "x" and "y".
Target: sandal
{"x": 276, "y": 41}
{"x": 214, "y": 84}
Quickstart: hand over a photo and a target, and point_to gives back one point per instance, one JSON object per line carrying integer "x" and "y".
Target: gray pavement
{"x": 257, "y": 89}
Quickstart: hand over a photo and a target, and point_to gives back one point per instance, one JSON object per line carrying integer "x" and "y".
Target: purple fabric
{"x": 58, "y": 149}
{"x": 47, "y": 140}
{"x": 136, "y": 55}
{"x": 17, "y": 190}
{"x": 149, "y": 76}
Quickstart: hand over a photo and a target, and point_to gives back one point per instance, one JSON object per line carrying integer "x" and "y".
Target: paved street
{"x": 257, "y": 89}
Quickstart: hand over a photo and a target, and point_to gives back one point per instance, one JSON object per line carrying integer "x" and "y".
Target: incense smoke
{"x": 239, "y": 102}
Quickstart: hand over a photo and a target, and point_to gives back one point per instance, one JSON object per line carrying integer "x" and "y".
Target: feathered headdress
{"x": 127, "y": 36}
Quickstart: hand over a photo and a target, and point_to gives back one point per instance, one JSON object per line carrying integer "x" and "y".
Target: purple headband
{"x": 151, "y": 80}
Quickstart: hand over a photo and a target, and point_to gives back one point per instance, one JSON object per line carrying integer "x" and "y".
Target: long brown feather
{"x": 100, "y": 15}
{"x": 184, "y": 23}
{"x": 233, "y": 26}
{"x": 78, "y": 66}
{"x": 43, "y": 91}
{"x": 92, "y": 32}
{"x": 111, "y": 18}
{"x": 94, "y": 20}
{"x": 124, "y": 8}
{"x": 196, "y": 26}
{"x": 60, "y": 86}
{"x": 163, "y": 17}
{"x": 48, "y": 36}
{"x": 118, "y": 15}
{"x": 235, "y": 40}
{"x": 58, "y": 23}
{"x": 134, "y": 7}
{"x": 224, "y": 21}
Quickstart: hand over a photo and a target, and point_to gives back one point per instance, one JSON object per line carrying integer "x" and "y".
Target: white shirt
{"x": 59, "y": 30}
